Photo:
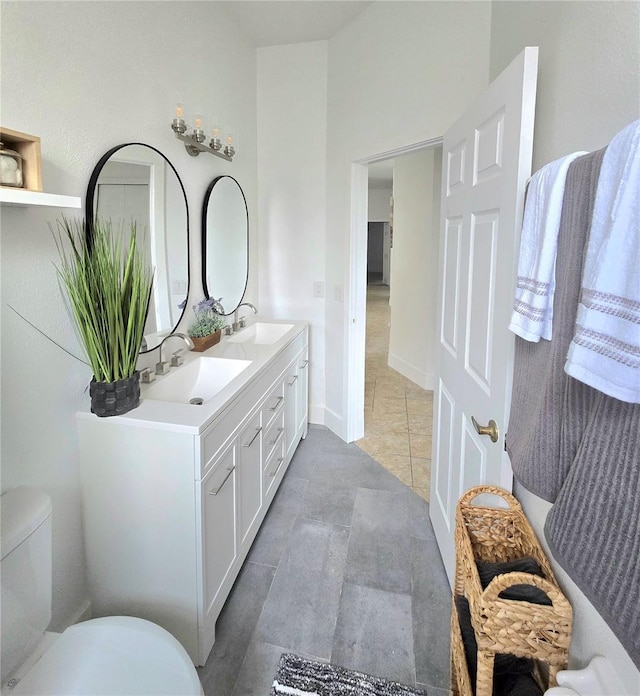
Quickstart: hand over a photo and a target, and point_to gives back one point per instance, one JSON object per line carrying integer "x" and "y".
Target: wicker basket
{"x": 460, "y": 679}
{"x": 502, "y": 625}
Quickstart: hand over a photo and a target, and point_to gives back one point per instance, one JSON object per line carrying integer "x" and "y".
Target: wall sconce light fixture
{"x": 194, "y": 142}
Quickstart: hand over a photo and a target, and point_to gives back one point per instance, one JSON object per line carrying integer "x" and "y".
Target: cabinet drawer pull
{"x": 277, "y": 469}
{"x": 277, "y": 437}
{"x": 219, "y": 488}
{"x": 248, "y": 444}
{"x": 275, "y": 406}
{"x": 293, "y": 381}
{"x": 304, "y": 364}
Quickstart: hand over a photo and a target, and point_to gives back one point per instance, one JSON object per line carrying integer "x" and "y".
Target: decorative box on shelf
{"x": 28, "y": 148}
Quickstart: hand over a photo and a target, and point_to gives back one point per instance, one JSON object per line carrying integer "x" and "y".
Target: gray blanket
{"x": 549, "y": 408}
{"x": 593, "y": 529}
{"x": 571, "y": 444}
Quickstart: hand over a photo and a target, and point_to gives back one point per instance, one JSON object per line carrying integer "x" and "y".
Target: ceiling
{"x": 279, "y": 22}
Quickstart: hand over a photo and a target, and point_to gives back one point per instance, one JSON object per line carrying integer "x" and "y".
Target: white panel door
{"x": 486, "y": 163}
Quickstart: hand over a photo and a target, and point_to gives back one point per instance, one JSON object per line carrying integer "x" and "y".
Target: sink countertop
{"x": 169, "y": 415}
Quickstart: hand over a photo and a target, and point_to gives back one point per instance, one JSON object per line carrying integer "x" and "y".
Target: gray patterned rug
{"x": 297, "y": 676}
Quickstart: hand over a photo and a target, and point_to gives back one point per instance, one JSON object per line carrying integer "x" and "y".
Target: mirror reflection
{"x": 225, "y": 242}
{"x": 137, "y": 183}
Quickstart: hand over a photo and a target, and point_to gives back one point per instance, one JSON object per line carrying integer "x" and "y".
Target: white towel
{"x": 533, "y": 306}
{"x": 605, "y": 351}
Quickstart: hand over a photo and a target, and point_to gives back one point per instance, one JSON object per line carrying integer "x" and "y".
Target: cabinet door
{"x": 302, "y": 396}
{"x": 291, "y": 408}
{"x": 249, "y": 471}
{"x": 218, "y": 524}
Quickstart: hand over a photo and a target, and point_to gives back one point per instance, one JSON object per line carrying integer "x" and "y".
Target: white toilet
{"x": 596, "y": 679}
{"x": 117, "y": 655}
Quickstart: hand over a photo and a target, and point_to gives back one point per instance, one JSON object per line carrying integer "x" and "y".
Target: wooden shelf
{"x": 23, "y": 197}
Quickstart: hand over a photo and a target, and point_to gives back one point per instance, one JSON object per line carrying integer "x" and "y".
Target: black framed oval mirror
{"x": 225, "y": 242}
{"x": 136, "y": 182}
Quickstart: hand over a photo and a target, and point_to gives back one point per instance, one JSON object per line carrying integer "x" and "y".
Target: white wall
{"x": 86, "y": 76}
{"x": 414, "y": 265}
{"x": 292, "y": 107}
{"x": 391, "y": 84}
{"x": 379, "y": 204}
{"x": 589, "y": 62}
{"x": 588, "y": 90}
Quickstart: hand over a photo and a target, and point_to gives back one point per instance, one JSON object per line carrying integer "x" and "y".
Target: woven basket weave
{"x": 460, "y": 679}
{"x": 517, "y": 627}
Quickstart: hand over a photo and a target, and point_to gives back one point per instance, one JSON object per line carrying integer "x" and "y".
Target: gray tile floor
{"x": 345, "y": 569}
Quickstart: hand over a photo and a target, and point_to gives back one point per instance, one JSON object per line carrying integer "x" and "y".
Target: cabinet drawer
{"x": 219, "y": 474}
{"x": 273, "y": 434}
{"x": 273, "y": 468}
{"x": 273, "y": 404}
{"x": 218, "y": 433}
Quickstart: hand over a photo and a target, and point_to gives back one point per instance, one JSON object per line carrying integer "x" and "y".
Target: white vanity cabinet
{"x": 296, "y": 400}
{"x": 171, "y": 509}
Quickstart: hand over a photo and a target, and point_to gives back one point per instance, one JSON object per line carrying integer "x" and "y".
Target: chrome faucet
{"x": 162, "y": 367}
{"x": 239, "y": 323}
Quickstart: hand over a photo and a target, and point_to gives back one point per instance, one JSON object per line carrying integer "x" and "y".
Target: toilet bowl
{"x": 115, "y": 655}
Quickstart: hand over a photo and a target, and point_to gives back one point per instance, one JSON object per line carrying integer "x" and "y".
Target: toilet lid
{"x": 116, "y": 655}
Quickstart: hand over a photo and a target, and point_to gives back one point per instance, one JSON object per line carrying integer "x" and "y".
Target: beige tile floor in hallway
{"x": 398, "y": 415}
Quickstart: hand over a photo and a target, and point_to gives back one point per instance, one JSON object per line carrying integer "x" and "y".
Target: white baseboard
{"x": 421, "y": 378}
{"x": 335, "y": 423}
{"x": 316, "y": 415}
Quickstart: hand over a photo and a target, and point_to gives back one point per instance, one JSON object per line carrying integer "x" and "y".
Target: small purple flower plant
{"x": 208, "y": 317}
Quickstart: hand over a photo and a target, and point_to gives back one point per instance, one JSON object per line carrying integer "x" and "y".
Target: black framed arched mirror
{"x": 136, "y": 182}
{"x": 225, "y": 242}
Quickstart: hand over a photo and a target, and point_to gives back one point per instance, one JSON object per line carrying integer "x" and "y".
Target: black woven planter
{"x": 115, "y": 398}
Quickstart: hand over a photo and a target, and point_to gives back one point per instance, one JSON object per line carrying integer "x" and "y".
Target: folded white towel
{"x": 533, "y": 307}
{"x": 605, "y": 351}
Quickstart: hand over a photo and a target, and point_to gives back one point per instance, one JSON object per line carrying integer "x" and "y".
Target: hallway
{"x": 398, "y": 415}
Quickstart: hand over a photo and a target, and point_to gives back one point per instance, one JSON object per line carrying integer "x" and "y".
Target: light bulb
{"x": 197, "y": 121}
{"x": 229, "y": 148}
{"x": 216, "y": 132}
{"x": 178, "y": 124}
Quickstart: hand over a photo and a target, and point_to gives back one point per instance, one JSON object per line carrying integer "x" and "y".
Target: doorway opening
{"x": 398, "y": 311}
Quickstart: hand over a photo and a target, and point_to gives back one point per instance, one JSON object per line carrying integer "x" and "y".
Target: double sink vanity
{"x": 175, "y": 493}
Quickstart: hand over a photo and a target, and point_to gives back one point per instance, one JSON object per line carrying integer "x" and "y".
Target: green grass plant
{"x": 108, "y": 282}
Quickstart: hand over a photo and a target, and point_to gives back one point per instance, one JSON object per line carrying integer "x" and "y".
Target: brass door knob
{"x": 491, "y": 430}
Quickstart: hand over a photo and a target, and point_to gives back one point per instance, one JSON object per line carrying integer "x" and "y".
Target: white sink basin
{"x": 261, "y": 333}
{"x": 196, "y": 382}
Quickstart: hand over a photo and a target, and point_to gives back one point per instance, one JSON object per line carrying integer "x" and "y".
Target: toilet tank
{"x": 25, "y": 573}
